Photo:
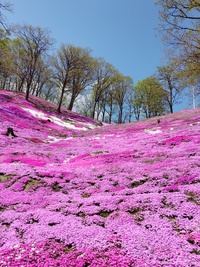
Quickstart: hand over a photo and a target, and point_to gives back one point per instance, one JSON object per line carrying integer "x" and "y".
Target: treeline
{"x": 63, "y": 76}
{"x": 73, "y": 78}
{"x": 180, "y": 30}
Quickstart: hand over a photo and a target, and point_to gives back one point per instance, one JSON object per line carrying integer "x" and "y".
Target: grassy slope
{"x": 130, "y": 192}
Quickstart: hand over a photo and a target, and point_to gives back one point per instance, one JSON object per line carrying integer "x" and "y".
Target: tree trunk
{"x": 170, "y": 95}
{"x": 4, "y": 84}
{"x": 27, "y": 92}
{"x": 110, "y": 113}
{"x": 60, "y": 102}
{"x": 71, "y": 104}
{"x": 120, "y": 114}
{"x": 171, "y": 108}
{"x": 94, "y": 109}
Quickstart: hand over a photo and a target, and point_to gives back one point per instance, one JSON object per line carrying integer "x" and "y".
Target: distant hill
{"x": 73, "y": 193}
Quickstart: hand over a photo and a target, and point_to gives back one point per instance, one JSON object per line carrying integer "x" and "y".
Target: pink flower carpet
{"x": 77, "y": 194}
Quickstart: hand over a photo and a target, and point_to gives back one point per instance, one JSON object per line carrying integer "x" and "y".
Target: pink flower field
{"x": 75, "y": 193}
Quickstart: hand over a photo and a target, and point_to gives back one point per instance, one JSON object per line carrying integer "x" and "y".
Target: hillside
{"x": 73, "y": 193}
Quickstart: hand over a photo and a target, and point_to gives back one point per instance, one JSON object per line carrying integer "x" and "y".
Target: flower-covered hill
{"x": 117, "y": 195}
{"x": 39, "y": 117}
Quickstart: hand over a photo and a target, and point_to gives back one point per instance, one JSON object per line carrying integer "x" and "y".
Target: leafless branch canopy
{"x": 4, "y": 7}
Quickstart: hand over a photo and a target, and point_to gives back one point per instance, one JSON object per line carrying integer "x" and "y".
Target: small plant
{"x": 137, "y": 183}
{"x": 191, "y": 241}
{"x": 195, "y": 251}
{"x": 192, "y": 198}
{"x": 91, "y": 183}
{"x": 31, "y": 183}
{"x": 86, "y": 195}
{"x": 4, "y": 177}
{"x": 81, "y": 214}
{"x": 2, "y": 209}
{"x": 6, "y": 224}
{"x": 137, "y": 215}
{"x": 100, "y": 152}
{"x": 167, "y": 204}
{"x": 165, "y": 176}
{"x": 36, "y": 140}
{"x": 97, "y": 152}
{"x": 104, "y": 213}
{"x": 56, "y": 187}
{"x": 169, "y": 217}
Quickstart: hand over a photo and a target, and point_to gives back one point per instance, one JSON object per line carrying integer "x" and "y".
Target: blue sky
{"x": 121, "y": 31}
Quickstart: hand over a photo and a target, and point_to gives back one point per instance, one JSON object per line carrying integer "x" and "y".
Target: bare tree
{"x": 71, "y": 68}
{"x": 5, "y": 58}
{"x": 130, "y": 109}
{"x": 34, "y": 43}
{"x": 172, "y": 84}
{"x": 122, "y": 85}
{"x": 4, "y": 6}
{"x": 179, "y": 26}
{"x": 81, "y": 76}
{"x": 42, "y": 76}
{"x": 103, "y": 78}
{"x": 109, "y": 104}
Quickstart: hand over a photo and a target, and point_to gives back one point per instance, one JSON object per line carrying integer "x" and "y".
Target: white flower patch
{"x": 53, "y": 139}
{"x": 16, "y": 246}
{"x": 59, "y": 122}
{"x": 36, "y": 113}
{"x": 152, "y": 131}
{"x": 103, "y": 137}
{"x": 192, "y": 124}
{"x": 68, "y": 159}
{"x": 97, "y": 138}
{"x": 87, "y": 125}
{"x": 62, "y": 123}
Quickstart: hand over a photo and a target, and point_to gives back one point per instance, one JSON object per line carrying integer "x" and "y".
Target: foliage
{"x": 72, "y": 70}
{"x": 173, "y": 85}
{"x": 122, "y": 86}
{"x": 149, "y": 97}
{"x": 34, "y": 43}
{"x": 102, "y": 91}
{"x": 5, "y": 57}
{"x": 179, "y": 25}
